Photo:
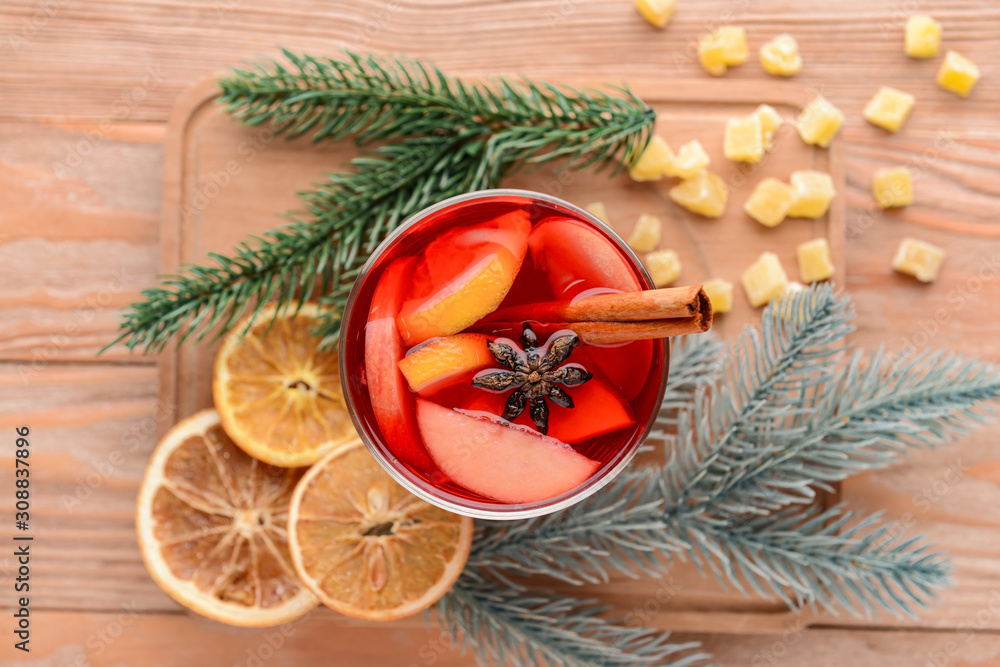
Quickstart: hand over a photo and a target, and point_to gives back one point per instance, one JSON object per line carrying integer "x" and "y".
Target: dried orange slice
{"x": 277, "y": 393}
{"x": 212, "y": 527}
{"x": 366, "y": 546}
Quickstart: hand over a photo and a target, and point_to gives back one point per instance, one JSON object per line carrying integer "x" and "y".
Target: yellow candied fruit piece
{"x": 720, "y": 294}
{"x": 744, "y": 139}
{"x": 705, "y": 194}
{"x": 958, "y": 74}
{"x": 893, "y": 187}
{"x": 923, "y": 36}
{"x": 657, "y": 12}
{"x": 690, "y": 159}
{"x": 813, "y": 191}
{"x": 664, "y": 267}
{"x": 722, "y": 48}
{"x": 918, "y": 259}
{"x": 598, "y": 210}
{"x": 764, "y": 279}
{"x": 769, "y": 202}
{"x": 819, "y": 122}
{"x": 889, "y": 108}
{"x": 814, "y": 261}
{"x": 780, "y": 56}
{"x": 654, "y": 162}
{"x": 770, "y": 121}
{"x": 646, "y": 233}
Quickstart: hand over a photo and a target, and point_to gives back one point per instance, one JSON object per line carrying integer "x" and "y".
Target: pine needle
{"x": 450, "y": 137}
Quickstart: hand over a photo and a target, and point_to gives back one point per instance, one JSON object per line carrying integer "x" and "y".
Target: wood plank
{"x": 78, "y": 237}
{"x": 112, "y": 212}
{"x": 129, "y": 637}
{"x": 180, "y": 42}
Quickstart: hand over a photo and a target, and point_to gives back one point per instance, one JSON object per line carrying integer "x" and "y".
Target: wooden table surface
{"x": 86, "y": 87}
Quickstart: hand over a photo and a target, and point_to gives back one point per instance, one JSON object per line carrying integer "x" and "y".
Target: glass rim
{"x": 527, "y": 510}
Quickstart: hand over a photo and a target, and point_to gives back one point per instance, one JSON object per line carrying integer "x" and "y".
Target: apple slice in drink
{"x": 577, "y": 258}
{"x": 392, "y": 402}
{"x": 504, "y": 462}
{"x": 598, "y": 409}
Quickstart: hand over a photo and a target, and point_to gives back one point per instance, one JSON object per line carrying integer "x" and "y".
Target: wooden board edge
{"x": 181, "y": 116}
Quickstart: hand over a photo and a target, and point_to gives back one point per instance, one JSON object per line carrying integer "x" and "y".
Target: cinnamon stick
{"x": 607, "y": 333}
{"x": 616, "y": 318}
{"x": 659, "y": 304}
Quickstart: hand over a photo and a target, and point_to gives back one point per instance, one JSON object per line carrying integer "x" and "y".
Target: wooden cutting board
{"x": 224, "y": 181}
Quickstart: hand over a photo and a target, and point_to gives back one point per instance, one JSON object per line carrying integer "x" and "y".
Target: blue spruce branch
{"x": 510, "y": 625}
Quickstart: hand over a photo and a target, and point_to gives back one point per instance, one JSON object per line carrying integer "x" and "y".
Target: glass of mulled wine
{"x": 463, "y": 397}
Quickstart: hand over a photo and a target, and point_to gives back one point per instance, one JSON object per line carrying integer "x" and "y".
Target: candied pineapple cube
{"x": 923, "y": 36}
{"x": 654, "y": 162}
{"x": 722, "y": 48}
{"x": 770, "y": 121}
{"x": 764, "y": 279}
{"x": 918, "y": 259}
{"x": 598, "y": 210}
{"x": 744, "y": 139}
{"x": 657, "y": 12}
{"x": 720, "y": 294}
{"x": 664, "y": 267}
{"x": 813, "y": 191}
{"x": 893, "y": 187}
{"x": 689, "y": 160}
{"x": 780, "y": 56}
{"x": 958, "y": 74}
{"x": 769, "y": 202}
{"x": 706, "y": 194}
{"x": 889, "y": 108}
{"x": 646, "y": 233}
{"x": 819, "y": 122}
{"x": 814, "y": 260}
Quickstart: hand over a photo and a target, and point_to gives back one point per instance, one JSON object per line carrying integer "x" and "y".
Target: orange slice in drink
{"x": 366, "y": 546}
{"x": 212, "y": 527}
{"x": 277, "y": 393}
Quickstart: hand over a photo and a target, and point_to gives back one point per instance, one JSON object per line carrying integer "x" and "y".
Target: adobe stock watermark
{"x": 85, "y": 313}
{"x": 30, "y": 25}
{"x": 923, "y": 501}
{"x": 382, "y": 19}
{"x": 272, "y": 640}
{"x": 120, "y": 110}
{"x": 956, "y": 300}
{"x": 220, "y": 179}
{"x": 891, "y": 24}
{"x": 778, "y": 650}
{"x": 100, "y": 472}
{"x": 968, "y": 628}
{"x": 943, "y": 140}
{"x": 689, "y": 54}
{"x": 666, "y": 590}
{"x": 562, "y": 12}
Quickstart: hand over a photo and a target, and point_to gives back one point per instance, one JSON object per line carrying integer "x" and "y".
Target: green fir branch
{"x": 506, "y": 624}
{"x": 451, "y": 138}
{"x": 376, "y": 98}
{"x": 288, "y": 265}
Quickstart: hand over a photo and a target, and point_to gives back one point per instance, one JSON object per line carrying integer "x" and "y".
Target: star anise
{"x": 535, "y": 378}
